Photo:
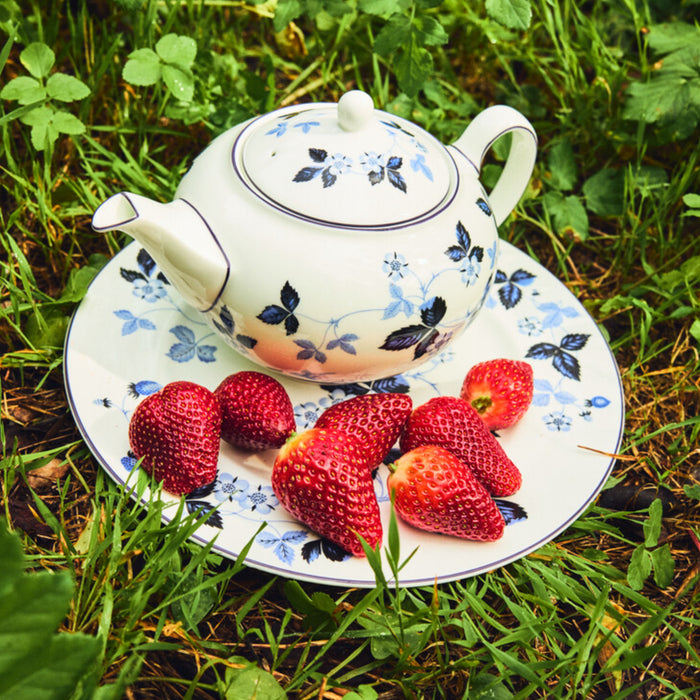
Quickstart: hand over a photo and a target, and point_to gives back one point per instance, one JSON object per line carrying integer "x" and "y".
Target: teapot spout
{"x": 178, "y": 239}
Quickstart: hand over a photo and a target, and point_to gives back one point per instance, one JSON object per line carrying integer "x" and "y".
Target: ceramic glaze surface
{"x": 334, "y": 243}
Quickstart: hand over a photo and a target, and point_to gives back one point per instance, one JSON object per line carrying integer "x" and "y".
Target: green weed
{"x": 101, "y": 96}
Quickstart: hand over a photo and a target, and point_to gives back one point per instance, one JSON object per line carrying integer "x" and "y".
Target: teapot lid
{"x": 345, "y": 164}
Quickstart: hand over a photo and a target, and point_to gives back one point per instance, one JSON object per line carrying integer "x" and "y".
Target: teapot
{"x": 336, "y": 243}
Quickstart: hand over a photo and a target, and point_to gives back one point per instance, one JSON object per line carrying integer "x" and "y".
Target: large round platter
{"x": 132, "y": 334}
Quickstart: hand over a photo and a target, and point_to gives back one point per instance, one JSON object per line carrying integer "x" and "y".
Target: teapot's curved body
{"x": 336, "y": 264}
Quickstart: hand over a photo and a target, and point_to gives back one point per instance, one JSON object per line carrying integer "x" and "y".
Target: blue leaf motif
{"x": 289, "y": 297}
{"x": 543, "y": 385}
{"x": 392, "y": 310}
{"x": 318, "y": 155}
{"x": 295, "y": 536}
{"x": 273, "y": 314}
{"x": 206, "y": 353}
{"x": 183, "y": 334}
{"x": 394, "y": 163}
{"x": 312, "y": 550}
{"x": 329, "y": 178}
{"x": 284, "y": 552}
{"x": 267, "y": 539}
{"x": 309, "y": 350}
{"x": 483, "y": 205}
{"x": 345, "y": 343}
{"x": 500, "y": 277}
{"x": 509, "y": 295}
{"x": 278, "y": 130}
{"x": 425, "y": 344}
{"x": 512, "y": 512}
{"x": 306, "y": 126}
{"x": 306, "y": 174}
{"x": 418, "y": 165}
{"x": 145, "y": 262}
{"x": 574, "y": 341}
{"x": 403, "y": 338}
{"x": 542, "y": 351}
{"x": 564, "y": 397}
{"x": 522, "y": 277}
{"x": 396, "y": 180}
{"x": 455, "y": 253}
{"x": 391, "y": 385}
{"x": 147, "y": 325}
{"x": 246, "y": 341}
{"x": 568, "y": 365}
{"x": 433, "y": 311}
{"x": 540, "y": 399}
{"x": 130, "y": 327}
{"x": 463, "y": 237}
{"x": 124, "y": 315}
{"x": 181, "y": 352}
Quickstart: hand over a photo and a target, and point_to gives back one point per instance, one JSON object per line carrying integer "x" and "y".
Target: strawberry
{"x": 176, "y": 433}
{"x": 375, "y": 419}
{"x": 257, "y": 412}
{"x": 434, "y": 491}
{"x": 500, "y": 390}
{"x": 450, "y": 422}
{"x": 321, "y": 477}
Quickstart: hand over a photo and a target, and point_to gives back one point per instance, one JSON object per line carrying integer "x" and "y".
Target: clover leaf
{"x": 37, "y": 91}
{"x": 171, "y": 62}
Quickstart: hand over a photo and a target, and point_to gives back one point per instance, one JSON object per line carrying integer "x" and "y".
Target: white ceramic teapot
{"x": 334, "y": 242}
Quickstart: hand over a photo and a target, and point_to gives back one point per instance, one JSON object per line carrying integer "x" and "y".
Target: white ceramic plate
{"x": 132, "y": 334}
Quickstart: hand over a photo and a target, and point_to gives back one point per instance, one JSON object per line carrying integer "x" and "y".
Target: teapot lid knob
{"x": 355, "y": 110}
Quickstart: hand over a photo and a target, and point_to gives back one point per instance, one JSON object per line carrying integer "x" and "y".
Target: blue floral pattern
{"x": 554, "y": 335}
{"x": 386, "y": 167}
{"x": 151, "y": 286}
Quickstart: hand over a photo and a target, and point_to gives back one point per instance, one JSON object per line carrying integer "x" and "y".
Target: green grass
{"x": 610, "y": 608}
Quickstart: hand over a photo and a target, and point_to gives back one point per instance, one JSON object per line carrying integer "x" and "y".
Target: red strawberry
{"x": 375, "y": 419}
{"x": 321, "y": 477}
{"x": 500, "y": 390}
{"x": 434, "y": 491}
{"x": 257, "y": 412}
{"x": 176, "y": 432}
{"x": 450, "y": 422}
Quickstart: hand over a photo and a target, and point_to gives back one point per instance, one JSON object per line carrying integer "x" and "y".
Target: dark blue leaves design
{"x": 393, "y": 175}
{"x": 146, "y": 268}
{"x": 464, "y": 248}
{"x": 318, "y": 155}
{"x": 226, "y": 325}
{"x": 422, "y": 336}
{"x": 484, "y": 206}
{"x": 274, "y": 314}
{"x": 396, "y": 384}
{"x": 330, "y": 167}
{"x": 510, "y": 293}
{"x": 511, "y": 512}
{"x": 195, "y": 504}
{"x": 562, "y": 359}
{"x": 313, "y": 549}
{"x": 188, "y": 348}
{"x": 396, "y": 126}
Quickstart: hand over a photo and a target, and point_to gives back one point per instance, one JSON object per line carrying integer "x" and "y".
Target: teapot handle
{"x": 480, "y": 136}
